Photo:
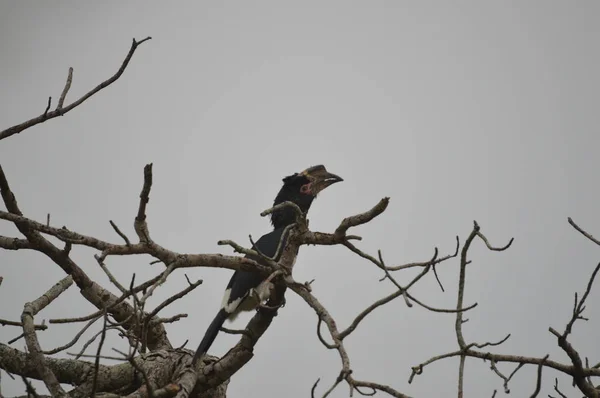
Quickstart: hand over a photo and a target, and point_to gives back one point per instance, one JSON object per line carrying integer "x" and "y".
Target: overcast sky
{"x": 458, "y": 111}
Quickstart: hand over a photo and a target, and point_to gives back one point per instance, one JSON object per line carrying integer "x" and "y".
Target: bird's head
{"x": 301, "y": 188}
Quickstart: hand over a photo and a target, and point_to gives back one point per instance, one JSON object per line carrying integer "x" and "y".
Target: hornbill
{"x": 245, "y": 290}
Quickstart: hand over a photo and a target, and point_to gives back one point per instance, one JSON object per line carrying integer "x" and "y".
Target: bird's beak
{"x": 321, "y": 178}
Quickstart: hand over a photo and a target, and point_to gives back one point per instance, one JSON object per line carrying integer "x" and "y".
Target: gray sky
{"x": 457, "y": 110}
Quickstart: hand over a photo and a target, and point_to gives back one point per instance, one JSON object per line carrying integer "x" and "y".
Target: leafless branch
{"x": 127, "y": 314}
{"x": 326, "y": 344}
{"x": 363, "y": 218}
{"x": 141, "y": 227}
{"x": 81, "y": 353}
{"x": 314, "y": 387}
{"x": 580, "y": 306}
{"x": 63, "y": 95}
{"x": 130, "y": 357}
{"x": 153, "y": 249}
{"x": 47, "y": 108}
{"x": 96, "y": 315}
{"x": 174, "y": 297}
{"x": 584, "y": 233}
{"x": 325, "y": 317}
{"x": 5, "y": 322}
{"x": 249, "y": 252}
{"x": 461, "y": 286}
{"x": 170, "y": 319}
{"x": 74, "y": 340}
{"x": 337, "y": 381}
{"x": 232, "y": 331}
{"x": 283, "y": 205}
{"x": 98, "y": 353}
{"x": 434, "y": 260}
{"x": 557, "y": 390}
{"x": 29, "y": 388}
{"x": 579, "y": 372}
{"x": 501, "y": 375}
{"x": 29, "y": 311}
{"x": 121, "y": 234}
{"x": 402, "y": 291}
{"x": 461, "y": 376}
{"x": 14, "y": 243}
{"x": 538, "y": 384}
{"x": 109, "y": 274}
{"x": 442, "y": 310}
{"x": 489, "y": 343}
{"x": 461, "y": 291}
{"x": 576, "y": 370}
{"x": 376, "y": 387}
{"x": 93, "y": 292}
{"x": 493, "y": 248}
{"x": 60, "y": 110}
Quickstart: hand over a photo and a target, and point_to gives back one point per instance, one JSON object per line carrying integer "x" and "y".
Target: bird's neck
{"x": 287, "y": 215}
{"x": 283, "y": 217}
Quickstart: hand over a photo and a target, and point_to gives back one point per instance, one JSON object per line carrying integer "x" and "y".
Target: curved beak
{"x": 321, "y": 178}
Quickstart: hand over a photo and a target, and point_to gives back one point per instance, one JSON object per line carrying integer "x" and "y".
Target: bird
{"x": 246, "y": 290}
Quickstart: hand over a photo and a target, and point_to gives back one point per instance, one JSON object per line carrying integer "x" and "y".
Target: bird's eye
{"x": 305, "y": 188}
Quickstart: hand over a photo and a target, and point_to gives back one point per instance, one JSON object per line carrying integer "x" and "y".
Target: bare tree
{"x": 153, "y": 367}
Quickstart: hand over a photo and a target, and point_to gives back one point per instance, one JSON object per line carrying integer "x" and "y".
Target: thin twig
{"x": 326, "y": 344}
{"x": 5, "y": 322}
{"x": 74, "y": 340}
{"x": 583, "y": 232}
{"x": 121, "y": 234}
{"x": 29, "y": 388}
{"x": 314, "y": 387}
{"x": 461, "y": 287}
{"x": 98, "y": 353}
{"x": 234, "y": 331}
{"x": 63, "y": 95}
{"x": 99, "y": 313}
{"x": 283, "y": 205}
{"x": 173, "y": 298}
{"x": 556, "y": 388}
{"x": 45, "y": 115}
{"x": 493, "y": 248}
{"x": 461, "y": 376}
{"x": 433, "y": 261}
{"x": 140, "y": 369}
{"x": 29, "y": 311}
{"x": 159, "y": 282}
{"x": 13, "y": 340}
{"x": 489, "y": 344}
{"x": 271, "y": 264}
{"x": 363, "y": 218}
{"x": 501, "y": 375}
{"x": 81, "y": 353}
{"x": 538, "y": 383}
{"x": 110, "y": 276}
{"x": 140, "y": 225}
{"x": 50, "y": 115}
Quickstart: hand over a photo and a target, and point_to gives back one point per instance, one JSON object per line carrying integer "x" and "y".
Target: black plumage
{"x": 245, "y": 290}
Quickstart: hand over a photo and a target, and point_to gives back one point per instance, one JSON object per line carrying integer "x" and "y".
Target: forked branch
{"x": 60, "y": 110}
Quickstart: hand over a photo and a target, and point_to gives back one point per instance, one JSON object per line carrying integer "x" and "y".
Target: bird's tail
{"x": 210, "y": 335}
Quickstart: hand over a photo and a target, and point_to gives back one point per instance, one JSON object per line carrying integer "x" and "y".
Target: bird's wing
{"x": 242, "y": 282}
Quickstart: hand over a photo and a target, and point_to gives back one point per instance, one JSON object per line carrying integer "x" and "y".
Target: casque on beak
{"x": 320, "y": 178}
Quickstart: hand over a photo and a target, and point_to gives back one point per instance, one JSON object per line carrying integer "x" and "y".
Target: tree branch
{"x": 29, "y": 311}
{"x": 60, "y": 110}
